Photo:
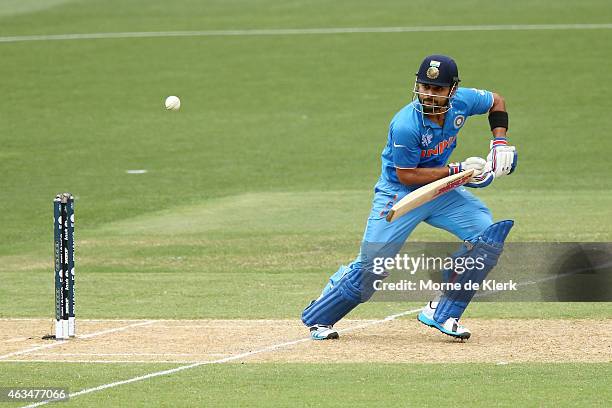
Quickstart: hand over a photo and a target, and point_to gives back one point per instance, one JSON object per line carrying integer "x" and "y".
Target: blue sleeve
{"x": 477, "y": 100}
{"x": 405, "y": 146}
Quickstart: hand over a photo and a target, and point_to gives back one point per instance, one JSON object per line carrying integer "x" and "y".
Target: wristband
{"x": 499, "y": 141}
{"x": 454, "y": 168}
{"x": 498, "y": 119}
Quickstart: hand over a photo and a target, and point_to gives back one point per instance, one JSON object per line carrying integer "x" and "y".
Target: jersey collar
{"x": 430, "y": 123}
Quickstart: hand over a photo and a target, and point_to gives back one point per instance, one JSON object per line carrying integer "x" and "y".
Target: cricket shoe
{"x": 323, "y": 332}
{"x": 451, "y": 326}
{"x": 428, "y": 312}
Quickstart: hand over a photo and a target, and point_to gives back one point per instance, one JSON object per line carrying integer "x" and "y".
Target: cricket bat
{"x": 427, "y": 193}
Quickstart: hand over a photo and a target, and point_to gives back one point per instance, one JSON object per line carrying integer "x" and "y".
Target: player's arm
{"x": 420, "y": 176}
{"x": 497, "y": 127}
{"x": 502, "y": 156}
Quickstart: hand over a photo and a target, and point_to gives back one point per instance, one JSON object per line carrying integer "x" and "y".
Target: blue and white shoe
{"x": 426, "y": 316}
{"x": 451, "y": 326}
{"x": 323, "y": 332}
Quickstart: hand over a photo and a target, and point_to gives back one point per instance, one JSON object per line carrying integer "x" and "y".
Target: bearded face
{"x": 434, "y": 99}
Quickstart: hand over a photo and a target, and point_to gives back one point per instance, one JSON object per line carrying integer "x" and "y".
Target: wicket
{"x": 63, "y": 222}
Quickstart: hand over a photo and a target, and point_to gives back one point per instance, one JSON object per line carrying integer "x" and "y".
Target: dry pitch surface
{"x": 402, "y": 340}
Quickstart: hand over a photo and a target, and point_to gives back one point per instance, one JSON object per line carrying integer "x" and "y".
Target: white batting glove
{"x": 477, "y": 164}
{"x": 483, "y": 179}
{"x": 502, "y": 157}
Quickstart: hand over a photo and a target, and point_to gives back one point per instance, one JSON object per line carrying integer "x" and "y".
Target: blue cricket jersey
{"x": 415, "y": 141}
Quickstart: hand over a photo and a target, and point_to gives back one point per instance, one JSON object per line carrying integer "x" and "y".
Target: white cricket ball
{"x": 173, "y": 103}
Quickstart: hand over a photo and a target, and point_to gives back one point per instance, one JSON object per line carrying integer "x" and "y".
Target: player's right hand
{"x": 477, "y": 164}
{"x": 484, "y": 178}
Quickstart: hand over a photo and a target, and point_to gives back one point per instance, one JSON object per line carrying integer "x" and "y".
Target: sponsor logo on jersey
{"x": 439, "y": 149}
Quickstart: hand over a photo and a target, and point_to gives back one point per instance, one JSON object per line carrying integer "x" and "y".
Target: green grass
{"x": 285, "y": 114}
{"x": 70, "y": 376}
{"x": 261, "y": 184}
{"x": 361, "y": 385}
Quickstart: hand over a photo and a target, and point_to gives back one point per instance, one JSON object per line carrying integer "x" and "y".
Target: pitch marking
{"x": 303, "y": 31}
{"x": 60, "y": 342}
{"x": 174, "y": 362}
{"x": 273, "y": 347}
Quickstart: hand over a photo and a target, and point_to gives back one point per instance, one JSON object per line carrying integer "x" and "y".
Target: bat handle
{"x": 390, "y": 215}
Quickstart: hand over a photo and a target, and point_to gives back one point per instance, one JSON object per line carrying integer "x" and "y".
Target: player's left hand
{"x": 502, "y": 157}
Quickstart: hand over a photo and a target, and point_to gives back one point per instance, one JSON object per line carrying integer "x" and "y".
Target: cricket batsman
{"x": 422, "y": 136}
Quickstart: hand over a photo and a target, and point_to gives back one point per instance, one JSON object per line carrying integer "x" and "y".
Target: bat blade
{"x": 427, "y": 193}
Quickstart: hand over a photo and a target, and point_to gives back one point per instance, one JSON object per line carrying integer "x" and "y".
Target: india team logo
{"x": 433, "y": 72}
{"x": 426, "y": 139}
{"x": 434, "y": 69}
{"x": 459, "y": 120}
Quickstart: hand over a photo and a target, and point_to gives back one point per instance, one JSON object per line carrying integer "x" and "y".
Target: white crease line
{"x": 303, "y": 31}
{"x": 209, "y": 326}
{"x": 131, "y": 354}
{"x": 34, "y": 319}
{"x": 104, "y": 361}
{"x": 222, "y": 360}
{"x": 60, "y": 342}
{"x": 247, "y": 321}
{"x": 37, "y": 347}
{"x": 15, "y": 339}
{"x": 100, "y": 333}
{"x": 19, "y": 319}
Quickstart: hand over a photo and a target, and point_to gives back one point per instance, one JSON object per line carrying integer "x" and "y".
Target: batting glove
{"x": 476, "y": 163}
{"x": 483, "y": 179}
{"x": 502, "y": 157}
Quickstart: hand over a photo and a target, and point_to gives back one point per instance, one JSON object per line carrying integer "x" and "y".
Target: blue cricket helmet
{"x": 439, "y": 70}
